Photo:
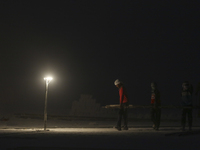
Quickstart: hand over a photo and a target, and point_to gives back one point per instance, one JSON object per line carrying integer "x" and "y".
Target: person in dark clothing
{"x": 197, "y": 93}
{"x": 186, "y": 102}
{"x": 155, "y": 103}
{"x": 123, "y": 99}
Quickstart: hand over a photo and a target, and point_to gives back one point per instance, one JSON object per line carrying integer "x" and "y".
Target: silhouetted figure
{"x": 123, "y": 100}
{"x": 186, "y": 102}
{"x": 197, "y": 93}
{"x": 155, "y": 103}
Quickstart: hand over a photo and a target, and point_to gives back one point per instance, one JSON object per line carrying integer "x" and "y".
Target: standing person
{"x": 186, "y": 102}
{"x": 155, "y": 103}
{"x": 198, "y": 97}
{"x": 123, "y": 100}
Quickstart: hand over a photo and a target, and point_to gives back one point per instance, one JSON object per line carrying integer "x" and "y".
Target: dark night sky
{"x": 86, "y": 45}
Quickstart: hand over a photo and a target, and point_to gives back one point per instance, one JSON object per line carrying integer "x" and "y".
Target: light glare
{"x": 48, "y": 78}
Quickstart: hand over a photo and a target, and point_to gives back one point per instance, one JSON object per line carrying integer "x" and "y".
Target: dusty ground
{"x": 86, "y": 133}
{"x": 97, "y": 138}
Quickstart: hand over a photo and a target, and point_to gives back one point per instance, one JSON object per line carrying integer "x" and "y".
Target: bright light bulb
{"x": 48, "y": 78}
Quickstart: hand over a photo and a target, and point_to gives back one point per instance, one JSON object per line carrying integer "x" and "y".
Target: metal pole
{"x": 45, "y": 107}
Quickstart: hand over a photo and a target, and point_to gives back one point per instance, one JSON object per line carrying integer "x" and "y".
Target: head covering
{"x": 185, "y": 85}
{"x": 117, "y": 82}
{"x": 153, "y": 86}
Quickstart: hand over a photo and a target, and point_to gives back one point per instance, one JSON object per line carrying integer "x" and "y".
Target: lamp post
{"x": 47, "y": 81}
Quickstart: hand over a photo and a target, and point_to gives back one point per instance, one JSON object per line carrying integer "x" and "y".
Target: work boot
{"x": 156, "y": 128}
{"x": 125, "y": 128}
{"x": 118, "y": 128}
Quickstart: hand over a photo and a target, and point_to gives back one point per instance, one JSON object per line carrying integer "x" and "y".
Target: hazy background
{"x": 86, "y": 45}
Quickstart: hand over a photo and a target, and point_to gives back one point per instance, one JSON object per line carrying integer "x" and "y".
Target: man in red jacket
{"x": 155, "y": 103}
{"x": 123, "y": 99}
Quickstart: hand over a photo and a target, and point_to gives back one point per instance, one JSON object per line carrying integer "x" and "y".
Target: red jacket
{"x": 123, "y": 95}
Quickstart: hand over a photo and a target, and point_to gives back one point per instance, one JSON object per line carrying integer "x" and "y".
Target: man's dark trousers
{"x": 155, "y": 116}
{"x": 186, "y": 111}
{"x": 123, "y": 112}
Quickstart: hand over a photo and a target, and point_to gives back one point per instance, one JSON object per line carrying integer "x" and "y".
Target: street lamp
{"x": 48, "y": 80}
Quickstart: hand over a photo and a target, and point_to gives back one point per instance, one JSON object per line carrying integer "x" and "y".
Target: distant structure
{"x": 87, "y": 106}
